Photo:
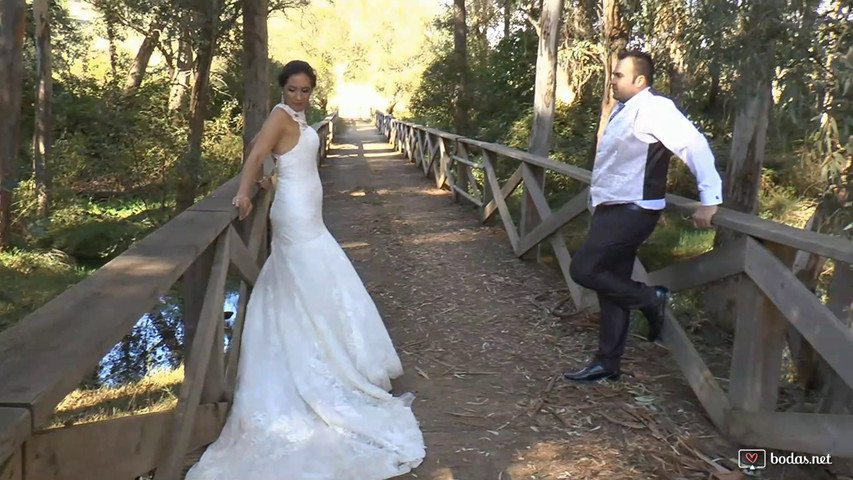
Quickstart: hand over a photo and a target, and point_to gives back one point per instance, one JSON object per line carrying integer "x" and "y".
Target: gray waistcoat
{"x": 628, "y": 169}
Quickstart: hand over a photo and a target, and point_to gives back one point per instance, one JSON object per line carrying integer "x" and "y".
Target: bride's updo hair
{"x": 295, "y": 67}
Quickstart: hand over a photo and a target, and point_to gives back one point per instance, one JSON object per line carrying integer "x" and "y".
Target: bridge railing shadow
{"x": 49, "y": 353}
{"x": 771, "y": 300}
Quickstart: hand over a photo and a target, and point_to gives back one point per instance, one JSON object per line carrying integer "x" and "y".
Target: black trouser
{"x": 605, "y": 263}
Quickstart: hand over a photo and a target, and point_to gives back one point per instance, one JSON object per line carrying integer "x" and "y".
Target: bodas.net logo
{"x": 752, "y": 458}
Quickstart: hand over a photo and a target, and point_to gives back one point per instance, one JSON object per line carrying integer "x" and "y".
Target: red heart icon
{"x": 752, "y": 457}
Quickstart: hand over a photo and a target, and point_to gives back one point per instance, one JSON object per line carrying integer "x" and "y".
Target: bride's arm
{"x": 261, "y": 146}
{"x": 264, "y": 181}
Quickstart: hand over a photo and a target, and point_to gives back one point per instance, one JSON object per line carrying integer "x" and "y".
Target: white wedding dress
{"x": 316, "y": 362}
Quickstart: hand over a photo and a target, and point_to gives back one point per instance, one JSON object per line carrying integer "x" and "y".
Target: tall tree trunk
{"x": 583, "y": 18}
{"x": 677, "y": 51}
{"x": 754, "y": 90}
{"x": 546, "y": 77}
{"x": 460, "y": 63}
{"x": 749, "y": 137}
{"x": 140, "y": 63}
{"x": 544, "y": 100}
{"x": 191, "y": 163}
{"x": 44, "y": 92}
{"x": 111, "y": 39}
{"x": 507, "y": 17}
{"x": 183, "y": 71}
{"x": 12, "y": 18}
{"x": 742, "y": 179}
{"x": 712, "y": 104}
{"x": 615, "y": 38}
{"x": 256, "y": 95}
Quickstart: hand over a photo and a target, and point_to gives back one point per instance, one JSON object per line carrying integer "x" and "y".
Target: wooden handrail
{"x": 805, "y": 240}
{"x": 46, "y": 355}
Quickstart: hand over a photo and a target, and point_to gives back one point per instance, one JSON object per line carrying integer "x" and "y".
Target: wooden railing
{"x": 48, "y": 354}
{"x": 770, "y": 297}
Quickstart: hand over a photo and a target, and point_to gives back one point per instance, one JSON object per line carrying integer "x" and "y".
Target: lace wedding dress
{"x": 316, "y": 362}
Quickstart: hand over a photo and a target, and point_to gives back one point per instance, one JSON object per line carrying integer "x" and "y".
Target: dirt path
{"x": 481, "y": 353}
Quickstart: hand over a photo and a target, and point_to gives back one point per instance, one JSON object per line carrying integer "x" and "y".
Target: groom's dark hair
{"x": 643, "y": 64}
{"x": 295, "y": 67}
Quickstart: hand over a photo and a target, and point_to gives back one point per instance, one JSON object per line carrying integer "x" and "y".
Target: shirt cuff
{"x": 711, "y": 197}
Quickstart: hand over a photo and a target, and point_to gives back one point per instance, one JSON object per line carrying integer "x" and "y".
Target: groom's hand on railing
{"x": 703, "y": 215}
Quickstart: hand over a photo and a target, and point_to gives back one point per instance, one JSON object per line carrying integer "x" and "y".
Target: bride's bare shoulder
{"x": 283, "y": 122}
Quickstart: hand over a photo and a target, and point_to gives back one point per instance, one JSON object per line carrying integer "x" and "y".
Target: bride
{"x": 312, "y": 399}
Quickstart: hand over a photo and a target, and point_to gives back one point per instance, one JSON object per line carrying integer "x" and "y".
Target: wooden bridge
{"x": 49, "y": 353}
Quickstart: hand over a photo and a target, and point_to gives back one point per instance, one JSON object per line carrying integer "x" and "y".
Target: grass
{"x": 82, "y": 236}
{"x": 31, "y": 278}
{"x": 674, "y": 239}
{"x": 156, "y": 392}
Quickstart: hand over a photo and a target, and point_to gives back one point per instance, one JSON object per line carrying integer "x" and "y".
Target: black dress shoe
{"x": 592, "y": 372}
{"x": 656, "y": 314}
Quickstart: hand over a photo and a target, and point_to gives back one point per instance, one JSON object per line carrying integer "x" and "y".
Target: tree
{"x": 759, "y": 34}
{"x": 143, "y": 56}
{"x": 615, "y": 30}
{"x": 460, "y": 68}
{"x": 12, "y": 16}
{"x": 42, "y": 137}
{"x": 544, "y": 101}
{"x": 256, "y": 94}
{"x": 206, "y": 17}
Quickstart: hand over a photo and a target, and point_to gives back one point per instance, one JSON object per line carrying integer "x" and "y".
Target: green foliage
{"x": 430, "y": 105}
{"x": 502, "y": 94}
{"x": 110, "y": 150}
{"x": 93, "y": 239}
{"x": 505, "y": 85}
{"x": 94, "y": 232}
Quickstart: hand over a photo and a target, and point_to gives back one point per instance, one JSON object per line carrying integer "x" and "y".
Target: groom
{"x": 628, "y": 193}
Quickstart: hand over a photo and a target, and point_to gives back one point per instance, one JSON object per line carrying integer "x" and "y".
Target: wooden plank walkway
{"x": 481, "y": 352}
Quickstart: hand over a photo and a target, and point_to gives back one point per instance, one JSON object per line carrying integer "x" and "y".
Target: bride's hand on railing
{"x": 265, "y": 183}
{"x": 243, "y": 204}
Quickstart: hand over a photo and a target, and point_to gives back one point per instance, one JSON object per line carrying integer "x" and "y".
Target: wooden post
{"x": 197, "y": 364}
{"x": 194, "y": 282}
{"x": 760, "y": 332}
{"x": 757, "y": 352}
{"x": 214, "y": 378}
{"x": 488, "y": 192}
{"x": 461, "y": 177}
{"x": 443, "y": 161}
{"x": 426, "y": 153}
{"x": 837, "y": 395}
{"x": 410, "y": 143}
{"x": 422, "y": 148}
{"x": 534, "y": 179}
{"x": 257, "y": 245}
{"x": 258, "y": 239}
{"x": 12, "y": 468}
